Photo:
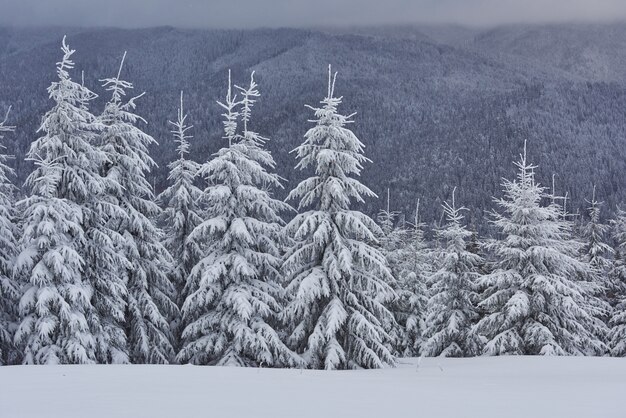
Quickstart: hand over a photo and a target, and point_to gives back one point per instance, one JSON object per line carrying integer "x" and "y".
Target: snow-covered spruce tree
{"x": 595, "y": 251}
{"x": 181, "y": 211}
{"x": 149, "y": 305}
{"x": 451, "y": 313}
{"x": 412, "y": 302}
{"x": 8, "y": 234}
{"x": 535, "y": 301}
{"x": 392, "y": 243}
{"x": 406, "y": 254}
{"x": 234, "y": 294}
{"x": 337, "y": 281}
{"x": 617, "y": 289}
{"x": 55, "y": 306}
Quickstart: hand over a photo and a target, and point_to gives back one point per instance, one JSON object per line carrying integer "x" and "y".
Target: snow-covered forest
{"x": 217, "y": 269}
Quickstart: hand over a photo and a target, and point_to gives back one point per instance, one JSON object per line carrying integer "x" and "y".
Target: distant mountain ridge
{"x": 437, "y": 106}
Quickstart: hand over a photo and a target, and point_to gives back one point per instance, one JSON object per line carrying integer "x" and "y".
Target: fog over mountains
{"x": 438, "y": 107}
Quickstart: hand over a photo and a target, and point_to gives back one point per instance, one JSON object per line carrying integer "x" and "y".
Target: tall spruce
{"x": 535, "y": 300}
{"x": 337, "y": 281}
{"x": 451, "y": 313}
{"x": 149, "y": 305}
{"x": 181, "y": 212}
{"x": 55, "y": 307}
{"x": 9, "y": 293}
{"x": 234, "y": 294}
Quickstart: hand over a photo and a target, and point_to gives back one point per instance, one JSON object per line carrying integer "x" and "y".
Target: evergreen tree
{"x": 451, "y": 312}
{"x": 55, "y": 306}
{"x": 9, "y": 294}
{"x": 233, "y": 294}
{"x": 337, "y": 282}
{"x": 595, "y": 251}
{"x": 106, "y": 264}
{"x": 535, "y": 301}
{"x": 392, "y": 243}
{"x": 617, "y": 293}
{"x": 149, "y": 305}
{"x": 181, "y": 212}
{"x": 406, "y": 254}
{"x": 412, "y": 300}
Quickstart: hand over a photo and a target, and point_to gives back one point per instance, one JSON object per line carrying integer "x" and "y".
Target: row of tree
{"x": 545, "y": 286}
{"x": 96, "y": 269}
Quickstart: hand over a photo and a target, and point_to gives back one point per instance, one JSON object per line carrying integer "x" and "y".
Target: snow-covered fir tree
{"x": 412, "y": 301}
{"x": 535, "y": 300}
{"x": 149, "y": 305}
{"x": 181, "y": 210}
{"x": 617, "y": 289}
{"x": 55, "y": 306}
{"x": 406, "y": 253}
{"x": 9, "y": 293}
{"x": 392, "y": 243}
{"x": 451, "y": 313}
{"x": 338, "y": 282}
{"x": 596, "y": 251}
{"x": 234, "y": 294}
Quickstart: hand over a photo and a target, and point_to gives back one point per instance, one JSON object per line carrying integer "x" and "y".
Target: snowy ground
{"x": 501, "y": 387}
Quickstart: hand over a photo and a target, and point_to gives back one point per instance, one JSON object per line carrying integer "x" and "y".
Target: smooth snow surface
{"x": 485, "y": 387}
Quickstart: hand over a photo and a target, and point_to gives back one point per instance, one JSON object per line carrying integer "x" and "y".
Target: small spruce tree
{"x": 595, "y": 250}
{"x": 451, "y": 313}
{"x": 392, "y": 243}
{"x": 181, "y": 212}
{"x": 617, "y": 293}
{"x": 412, "y": 299}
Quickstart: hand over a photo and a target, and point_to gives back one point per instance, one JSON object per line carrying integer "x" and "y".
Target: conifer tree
{"x": 392, "y": 243}
{"x": 337, "y": 282}
{"x": 406, "y": 253}
{"x": 55, "y": 306}
{"x": 9, "y": 294}
{"x": 535, "y": 299}
{"x": 412, "y": 302}
{"x": 451, "y": 312}
{"x": 149, "y": 305}
{"x": 595, "y": 251}
{"x": 617, "y": 290}
{"x": 234, "y": 295}
{"x": 181, "y": 212}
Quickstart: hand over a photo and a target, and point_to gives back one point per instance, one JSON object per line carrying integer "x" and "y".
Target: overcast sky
{"x": 301, "y": 13}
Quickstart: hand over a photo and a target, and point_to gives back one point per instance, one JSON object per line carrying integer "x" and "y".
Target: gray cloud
{"x": 301, "y": 13}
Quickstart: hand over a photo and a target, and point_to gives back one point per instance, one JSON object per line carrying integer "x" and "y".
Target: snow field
{"x": 483, "y": 387}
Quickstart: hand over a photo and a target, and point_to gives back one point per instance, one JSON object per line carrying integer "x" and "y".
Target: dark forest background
{"x": 438, "y": 107}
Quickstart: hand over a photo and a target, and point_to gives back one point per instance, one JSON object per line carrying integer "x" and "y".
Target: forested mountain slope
{"x": 438, "y": 107}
